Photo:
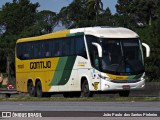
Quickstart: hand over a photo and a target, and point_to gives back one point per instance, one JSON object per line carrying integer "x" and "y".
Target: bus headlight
{"x": 142, "y": 78}
{"x": 107, "y": 86}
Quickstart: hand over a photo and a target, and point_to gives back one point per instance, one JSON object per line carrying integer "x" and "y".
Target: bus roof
{"x": 102, "y": 32}
{"x": 107, "y": 32}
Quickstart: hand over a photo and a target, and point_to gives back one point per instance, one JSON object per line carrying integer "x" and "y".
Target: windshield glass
{"x": 122, "y": 56}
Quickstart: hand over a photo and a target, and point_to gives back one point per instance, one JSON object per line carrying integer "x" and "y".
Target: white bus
{"x": 82, "y": 60}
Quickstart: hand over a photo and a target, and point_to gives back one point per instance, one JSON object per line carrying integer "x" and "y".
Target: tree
{"x": 150, "y": 35}
{"x": 69, "y": 17}
{"x": 123, "y": 7}
{"x": 87, "y": 14}
{"x": 19, "y": 14}
{"x": 15, "y": 17}
{"x": 95, "y": 6}
{"x": 137, "y": 12}
{"x": 123, "y": 13}
{"x": 105, "y": 18}
{"x": 144, "y": 10}
{"x": 47, "y": 19}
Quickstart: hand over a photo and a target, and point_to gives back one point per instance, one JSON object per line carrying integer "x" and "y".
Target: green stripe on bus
{"x": 70, "y": 35}
{"x": 61, "y": 63}
{"x": 75, "y": 34}
{"x": 59, "y": 71}
{"x": 67, "y": 71}
{"x": 80, "y": 33}
{"x": 63, "y": 71}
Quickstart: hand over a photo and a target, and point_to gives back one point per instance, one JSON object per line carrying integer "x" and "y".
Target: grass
{"x": 82, "y": 99}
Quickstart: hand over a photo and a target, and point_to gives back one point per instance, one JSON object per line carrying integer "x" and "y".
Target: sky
{"x": 56, "y": 5}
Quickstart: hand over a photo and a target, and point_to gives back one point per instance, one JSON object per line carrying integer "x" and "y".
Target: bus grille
{"x": 125, "y": 81}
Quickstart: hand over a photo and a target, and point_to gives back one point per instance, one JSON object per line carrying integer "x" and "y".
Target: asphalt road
{"x": 79, "y": 106}
{"x": 91, "y": 107}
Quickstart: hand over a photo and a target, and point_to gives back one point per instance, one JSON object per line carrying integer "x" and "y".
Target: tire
{"x": 85, "y": 90}
{"x": 124, "y": 93}
{"x": 39, "y": 89}
{"x": 31, "y": 89}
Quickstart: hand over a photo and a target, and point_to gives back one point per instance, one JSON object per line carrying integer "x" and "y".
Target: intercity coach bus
{"x": 81, "y": 61}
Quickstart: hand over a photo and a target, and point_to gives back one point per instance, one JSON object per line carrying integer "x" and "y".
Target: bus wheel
{"x": 31, "y": 89}
{"x": 124, "y": 93}
{"x": 39, "y": 89}
{"x": 85, "y": 90}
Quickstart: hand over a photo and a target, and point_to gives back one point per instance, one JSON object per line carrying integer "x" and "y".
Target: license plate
{"x": 126, "y": 87}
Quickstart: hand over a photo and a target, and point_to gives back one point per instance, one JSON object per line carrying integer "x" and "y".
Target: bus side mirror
{"x": 99, "y": 48}
{"x": 147, "y": 49}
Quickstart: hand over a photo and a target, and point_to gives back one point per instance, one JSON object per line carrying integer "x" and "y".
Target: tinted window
{"x": 80, "y": 46}
{"x": 59, "y": 47}
{"x": 23, "y": 51}
{"x": 66, "y": 47}
{"x": 93, "y": 52}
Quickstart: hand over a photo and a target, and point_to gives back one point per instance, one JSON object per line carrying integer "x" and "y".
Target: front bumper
{"x": 112, "y": 86}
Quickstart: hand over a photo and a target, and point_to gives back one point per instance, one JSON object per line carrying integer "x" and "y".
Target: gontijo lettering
{"x": 40, "y": 65}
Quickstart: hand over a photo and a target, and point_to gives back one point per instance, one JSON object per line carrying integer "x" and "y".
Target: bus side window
{"x": 57, "y": 44}
{"x": 27, "y": 49}
{"x": 23, "y": 51}
{"x": 46, "y": 49}
{"x": 80, "y": 47}
{"x": 37, "y": 50}
{"x": 20, "y": 51}
{"x": 32, "y": 52}
{"x": 93, "y": 53}
{"x": 72, "y": 46}
{"x": 66, "y": 49}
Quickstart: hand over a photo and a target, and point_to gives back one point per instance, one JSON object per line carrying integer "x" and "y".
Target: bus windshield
{"x": 122, "y": 56}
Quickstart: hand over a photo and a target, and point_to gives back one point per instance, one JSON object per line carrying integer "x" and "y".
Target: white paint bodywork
{"x": 83, "y": 67}
{"x": 107, "y": 32}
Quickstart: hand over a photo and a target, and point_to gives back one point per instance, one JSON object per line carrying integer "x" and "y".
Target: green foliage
{"x": 94, "y": 8}
{"x": 88, "y": 13}
{"x": 69, "y": 17}
{"x": 47, "y": 19}
{"x": 151, "y": 36}
{"x": 19, "y": 14}
{"x": 18, "y": 19}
